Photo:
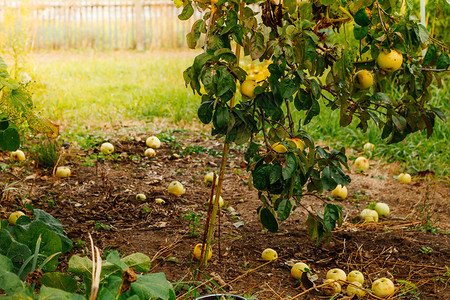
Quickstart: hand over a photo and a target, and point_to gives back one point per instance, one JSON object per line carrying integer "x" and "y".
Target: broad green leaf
{"x": 261, "y": 177}
{"x": 55, "y": 226}
{"x": 381, "y": 98}
{"x": 49, "y": 293}
{"x": 291, "y": 165}
{"x": 205, "y": 112}
{"x": 151, "y": 286}
{"x": 443, "y": 61}
{"x": 139, "y": 261}
{"x": 221, "y": 117}
{"x": 257, "y": 45}
{"x": 284, "y": 209}
{"x": 327, "y": 179}
{"x": 60, "y": 281}
{"x": 289, "y": 86}
{"x": 291, "y": 5}
{"x": 430, "y": 55}
{"x": 360, "y": 32}
{"x": 187, "y": 12}
{"x": 13, "y": 249}
{"x": 312, "y": 112}
{"x": 114, "y": 258}
{"x": 332, "y": 215}
{"x": 421, "y": 33}
{"x": 6, "y": 264}
{"x": 275, "y": 173}
{"x": 9, "y": 139}
{"x": 10, "y": 283}
{"x": 268, "y": 220}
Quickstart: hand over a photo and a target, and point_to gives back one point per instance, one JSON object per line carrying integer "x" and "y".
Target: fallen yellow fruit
{"x": 198, "y": 252}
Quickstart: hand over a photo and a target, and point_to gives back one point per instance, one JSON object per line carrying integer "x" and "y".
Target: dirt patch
{"x": 100, "y": 198}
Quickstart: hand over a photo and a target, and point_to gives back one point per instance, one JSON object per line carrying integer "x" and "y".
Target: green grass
{"x": 88, "y": 90}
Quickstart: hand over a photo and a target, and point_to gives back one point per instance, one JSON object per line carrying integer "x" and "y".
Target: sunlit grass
{"x": 88, "y": 90}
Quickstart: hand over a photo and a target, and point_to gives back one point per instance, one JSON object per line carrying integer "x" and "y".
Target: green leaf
{"x": 139, "y": 261}
{"x": 150, "y": 286}
{"x": 291, "y": 165}
{"x": 268, "y": 220}
{"x": 55, "y": 226}
{"x": 289, "y": 86}
{"x": 257, "y": 45}
{"x": 114, "y": 258}
{"x": 221, "y": 117}
{"x": 315, "y": 88}
{"x": 381, "y": 98}
{"x": 284, "y": 209}
{"x": 187, "y": 12}
{"x": 312, "y": 112}
{"x": 331, "y": 216}
{"x": 399, "y": 122}
{"x": 261, "y": 177}
{"x": 9, "y": 139}
{"x": 328, "y": 182}
{"x": 421, "y": 33}
{"x": 360, "y": 32}
{"x": 205, "y": 112}
{"x": 49, "y": 293}
{"x": 291, "y": 5}
{"x": 10, "y": 283}
{"x": 6, "y": 264}
{"x": 275, "y": 173}
{"x": 439, "y": 113}
{"x": 60, "y": 281}
{"x": 430, "y": 55}
{"x": 443, "y": 61}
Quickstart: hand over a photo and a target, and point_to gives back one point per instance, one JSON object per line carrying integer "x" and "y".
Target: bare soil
{"x": 411, "y": 245}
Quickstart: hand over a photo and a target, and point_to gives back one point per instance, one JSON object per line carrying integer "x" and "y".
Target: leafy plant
{"x": 194, "y": 222}
{"x": 30, "y": 244}
{"x": 16, "y": 107}
{"x": 306, "y": 66}
{"x": 47, "y": 152}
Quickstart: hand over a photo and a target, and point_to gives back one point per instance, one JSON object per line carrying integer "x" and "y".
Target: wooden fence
{"x": 98, "y": 24}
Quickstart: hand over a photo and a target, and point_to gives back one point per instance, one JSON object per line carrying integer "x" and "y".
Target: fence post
{"x": 139, "y": 23}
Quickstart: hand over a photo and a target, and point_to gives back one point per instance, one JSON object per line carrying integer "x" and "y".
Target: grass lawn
{"x": 87, "y": 90}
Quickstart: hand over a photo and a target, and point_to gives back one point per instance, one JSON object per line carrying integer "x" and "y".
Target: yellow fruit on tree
{"x": 363, "y": 79}
{"x": 390, "y": 62}
{"x": 248, "y": 88}
{"x": 299, "y": 143}
{"x": 279, "y": 148}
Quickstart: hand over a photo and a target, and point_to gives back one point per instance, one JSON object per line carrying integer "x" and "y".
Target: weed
{"x": 100, "y": 226}
{"x": 360, "y": 195}
{"x": 407, "y": 287}
{"x": 425, "y": 214}
{"x": 46, "y": 152}
{"x": 146, "y": 210}
{"x": 194, "y": 222}
{"x": 426, "y": 250}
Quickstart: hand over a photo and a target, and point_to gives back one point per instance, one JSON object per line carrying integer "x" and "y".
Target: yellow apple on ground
{"x": 390, "y": 61}
{"x": 340, "y": 192}
{"x": 221, "y": 202}
{"x": 362, "y": 163}
{"x": 382, "y": 209}
{"x": 298, "y": 142}
{"x": 141, "y": 197}
{"x": 298, "y": 269}
{"x": 369, "y": 215}
{"x": 209, "y": 179}
{"x": 383, "y": 287}
{"x": 17, "y": 156}
{"x": 176, "y": 188}
{"x": 279, "y": 148}
{"x": 12, "y": 219}
{"x": 153, "y": 142}
{"x": 150, "y": 153}
{"x": 336, "y": 274}
{"x": 248, "y": 88}
{"x": 160, "y": 201}
{"x": 369, "y": 147}
{"x": 198, "y": 252}
{"x": 62, "y": 172}
{"x": 107, "y": 148}
{"x": 363, "y": 79}
{"x": 404, "y": 178}
{"x": 355, "y": 289}
{"x": 269, "y": 254}
{"x": 355, "y": 275}
{"x": 332, "y": 287}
